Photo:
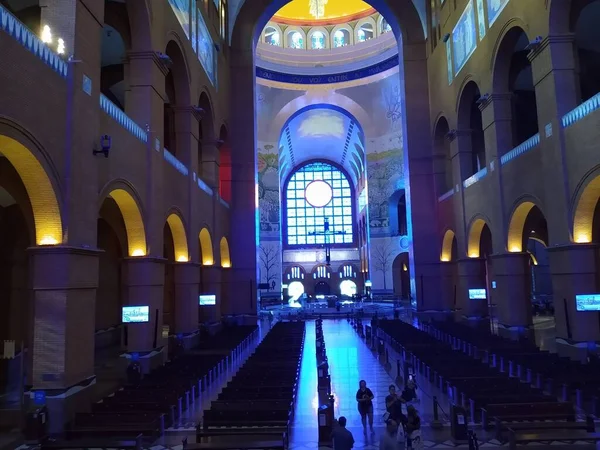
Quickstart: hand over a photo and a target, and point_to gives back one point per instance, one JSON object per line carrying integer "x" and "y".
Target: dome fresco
{"x": 310, "y": 12}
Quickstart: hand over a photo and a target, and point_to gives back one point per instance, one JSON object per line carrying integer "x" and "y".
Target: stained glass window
{"x": 295, "y": 40}
{"x": 318, "y": 40}
{"x": 339, "y": 38}
{"x": 315, "y": 184}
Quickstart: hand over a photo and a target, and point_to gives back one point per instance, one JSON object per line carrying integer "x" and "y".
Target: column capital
{"x": 196, "y": 112}
{"x": 161, "y": 60}
{"x": 489, "y": 99}
{"x": 566, "y": 38}
{"x": 64, "y": 250}
{"x": 454, "y": 134}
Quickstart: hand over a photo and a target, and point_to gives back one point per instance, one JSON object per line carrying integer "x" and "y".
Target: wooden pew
{"x": 58, "y": 444}
{"x": 555, "y": 411}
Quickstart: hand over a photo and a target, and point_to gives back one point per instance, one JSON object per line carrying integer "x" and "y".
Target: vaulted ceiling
{"x": 322, "y": 132}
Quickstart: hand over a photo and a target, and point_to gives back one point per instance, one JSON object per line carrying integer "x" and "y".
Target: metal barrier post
{"x": 436, "y": 423}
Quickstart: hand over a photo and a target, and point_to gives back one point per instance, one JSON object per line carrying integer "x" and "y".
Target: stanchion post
{"x": 436, "y": 423}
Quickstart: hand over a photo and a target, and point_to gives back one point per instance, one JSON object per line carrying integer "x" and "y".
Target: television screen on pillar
{"x": 135, "y": 314}
{"x": 207, "y": 300}
{"x": 477, "y": 294}
{"x": 588, "y": 302}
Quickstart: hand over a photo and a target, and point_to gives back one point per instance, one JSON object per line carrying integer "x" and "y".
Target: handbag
{"x": 415, "y": 440}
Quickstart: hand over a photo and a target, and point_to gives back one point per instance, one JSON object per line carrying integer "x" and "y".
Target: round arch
{"x": 288, "y": 33}
{"x": 179, "y": 237}
{"x": 180, "y": 69}
{"x": 324, "y": 32}
{"x": 469, "y": 92}
{"x": 224, "y": 253}
{"x": 365, "y": 21}
{"x": 207, "y": 124}
{"x": 501, "y": 56}
{"x": 474, "y": 240}
{"x": 206, "y": 247}
{"x": 516, "y": 226}
{"x": 275, "y": 26}
{"x": 44, "y": 204}
{"x": 349, "y": 33}
{"x": 140, "y": 22}
{"x": 447, "y": 242}
{"x": 584, "y": 207}
{"x": 132, "y": 217}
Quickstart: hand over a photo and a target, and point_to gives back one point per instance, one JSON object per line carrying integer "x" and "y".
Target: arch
{"x": 470, "y": 120}
{"x": 179, "y": 237}
{"x": 224, "y": 252}
{"x": 140, "y": 23}
{"x": 447, "y": 242}
{"x": 348, "y": 33}
{"x": 443, "y": 152}
{"x": 326, "y": 37}
{"x": 206, "y": 247}
{"x": 289, "y": 31}
{"x": 318, "y": 99}
{"x": 207, "y": 123}
{"x": 468, "y": 92}
{"x": 585, "y": 206}
{"x": 44, "y": 204}
{"x": 132, "y": 216}
{"x": 365, "y": 21}
{"x": 180, "y": 69}
{"x": 474, "y": 240}
{"x": 277, "y": 29}
{"x": 517, "y": 224}
{"x": 501, "y": 55}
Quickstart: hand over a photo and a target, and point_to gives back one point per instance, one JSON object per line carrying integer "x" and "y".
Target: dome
{"x": 321, "y": 12}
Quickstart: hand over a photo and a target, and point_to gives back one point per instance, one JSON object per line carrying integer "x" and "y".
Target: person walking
{"x": 341, "y": 436}
{"x": 413, "y": 429}
{"x": 364, "y": 397}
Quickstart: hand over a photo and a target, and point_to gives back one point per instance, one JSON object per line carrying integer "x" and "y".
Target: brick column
{"x": 64, "y": 282}
{"x": 512, "y": 275}
{"x": 441, "y": 306}
{"x": 574, "y": 271}
{"x": 556, "y": 81}
{"x": 243, "y": 231}
{"x": 144, "y": 283}
{"x": 187, "y": 289}
{"x": 471, "y": 275}
{"x": 212, "y": 284}
{"x": 461, "y": 154}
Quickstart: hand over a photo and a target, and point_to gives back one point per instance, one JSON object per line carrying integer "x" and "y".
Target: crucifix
{"x": 327, "y": 233}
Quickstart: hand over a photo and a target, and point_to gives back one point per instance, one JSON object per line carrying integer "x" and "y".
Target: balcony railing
{"x": 123, "y": 119}
{"x": 205, "y": 187}
{"x": 529, "y": 144}
{"x": 179, "y": 166}
{"x": 475, "y": 178}
{"x": 448, "y": 194}
{"x": 583, "y": 110}
{"x": 11, "y": 25}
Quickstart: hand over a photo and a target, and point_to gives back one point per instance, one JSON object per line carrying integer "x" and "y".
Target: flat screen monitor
{"x": 207, "y": 300}
{"x": 588, "y": 302}
{"x": 136, "y": 314}
{"x": 477, "y": 294}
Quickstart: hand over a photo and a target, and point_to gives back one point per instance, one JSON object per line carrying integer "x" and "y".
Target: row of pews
{"x": 519, "y": 410}
{"x": 255, "y": 408}
{"x": 138, "y": 413}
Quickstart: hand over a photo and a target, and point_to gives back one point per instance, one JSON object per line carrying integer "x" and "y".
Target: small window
{"x": 295, "y": 40}
{"x": 341, "y": 38}
{"x": 272, "y": 36}
{"x": 385, "y": 27}
{"x": 318, "y": 40}
{"x": 365, "y": 32}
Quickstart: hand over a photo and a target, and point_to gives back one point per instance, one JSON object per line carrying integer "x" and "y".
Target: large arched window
{"x": 314, "y": 193}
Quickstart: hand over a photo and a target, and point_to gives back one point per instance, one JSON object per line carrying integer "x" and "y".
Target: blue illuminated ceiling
{"x": 322, "y": 132}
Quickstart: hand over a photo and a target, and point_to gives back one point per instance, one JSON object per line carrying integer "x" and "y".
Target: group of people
{"x": 403, "y": 431}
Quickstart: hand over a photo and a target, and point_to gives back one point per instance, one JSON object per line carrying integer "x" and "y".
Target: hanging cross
{"x": 327, "y": 233}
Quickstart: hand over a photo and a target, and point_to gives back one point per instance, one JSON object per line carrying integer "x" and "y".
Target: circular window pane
{"x": 318, "y": 193}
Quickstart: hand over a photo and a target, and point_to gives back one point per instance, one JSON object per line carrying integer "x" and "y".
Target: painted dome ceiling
{"x": 321, "y": 12}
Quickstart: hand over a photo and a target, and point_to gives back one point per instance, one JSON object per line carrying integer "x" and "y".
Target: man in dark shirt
{"x": 393, "y": 405}
{"x": 364, "y": 397}
{"x": 342, "y": 438}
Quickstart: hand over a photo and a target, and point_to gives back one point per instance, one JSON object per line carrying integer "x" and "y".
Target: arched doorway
{"x": 470, "y": 121}
{"x": 401, "y": 273}
{"x": 348, "y": 288}
{"x": 443, "y": 160}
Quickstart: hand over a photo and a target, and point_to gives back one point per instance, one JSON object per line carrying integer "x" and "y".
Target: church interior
{"x": 219, "y": 217}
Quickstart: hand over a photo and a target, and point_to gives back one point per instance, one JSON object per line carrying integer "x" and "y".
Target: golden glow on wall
{"x": 533, "y": 258}
{"x": 516, "y": 226}
{"x": 334, "y": 10}
{"x": 206, "y": 248}
{"x": 584, "y": 212}
{"x": 225, "y": 259}
{"x": 179, "y": 238}
{"x": 46, "y": 213}
{"x": 446, "y": 254}
{"x": 134, "y": 224}
{"x": 474, "y": 241}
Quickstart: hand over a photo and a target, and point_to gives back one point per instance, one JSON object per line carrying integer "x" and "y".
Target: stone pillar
{"x": 512, "y": 295}
{"x": 212, "y": 284}
{"x": 144, "y": 284}
{"x": 420, "y": 187}
{"x": 574, "y": 271}
{"x": 187, "y": 289}
{"x": 243, "y": 211}
{"x": 556, "y": 81}
{"x": 64, "y": 282}
{"x": 210, "y": 164}
{"x": 471, "y": 275}
{"x": 439, "y": 308}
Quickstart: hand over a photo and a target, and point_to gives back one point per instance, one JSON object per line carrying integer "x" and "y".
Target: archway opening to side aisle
{"x": 585, "y": 17}
{"x": 470, "y": 121}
